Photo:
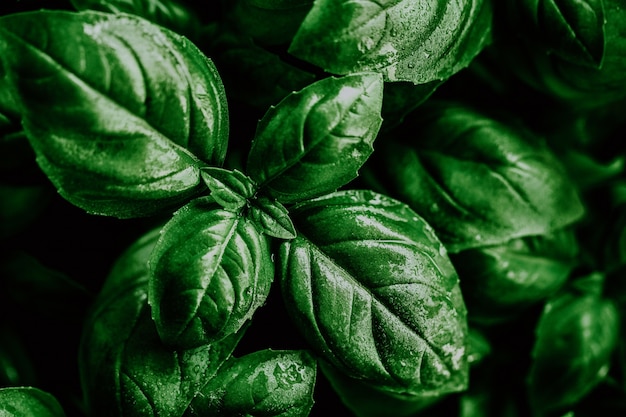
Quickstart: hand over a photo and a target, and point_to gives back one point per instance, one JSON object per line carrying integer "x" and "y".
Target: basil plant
{"x": 291, "y": 208}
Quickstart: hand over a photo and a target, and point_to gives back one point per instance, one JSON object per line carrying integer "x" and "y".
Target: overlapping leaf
{"x": 125, "y": 368}
{"x": 210, "y": 271}
{"x": 478, "y": 181}
{"x": 120, "y": 111}
{"x": 405, "y": 40}
{"x": 373, "y": 291}
{"x": 265, "y": 383}
{"x": 315, "y": 140}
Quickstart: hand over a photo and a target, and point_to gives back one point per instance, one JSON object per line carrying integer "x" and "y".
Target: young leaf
{"x": 576, "y": 336}
{"x": 125, "y": 368}
{"x": 168, "y": 13}
{"x": 315, "y": 140}
{"x": 373, "y": 291}
{"x": 28, "y": 401}
{"x": 231, "y": 189}
{"x": 265, "y": 383}
{"x": 405, "y": 40}
{"x": 478, "y": 181}
{"x": 118, "y": 110}
{"x": 499, "y": 282}
{"x": 272, "y": 218}
{"x": 210, "y": 270}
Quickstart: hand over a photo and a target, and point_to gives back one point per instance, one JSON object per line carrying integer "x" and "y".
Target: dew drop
{"x": 411, "y": 65}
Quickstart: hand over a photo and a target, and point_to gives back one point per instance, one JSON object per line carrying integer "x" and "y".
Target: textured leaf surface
{"x": 272, "y": 218}
{"x": 571, "y": 29}
{"x": 231, "y": 189}
{"x": 119, "y": 111}
{"x": 476, "y": 180}
{"x": 315, "y": 140}
{"x": 125, "y": 368}
{"x": 372, "y": 289}
{"x": 576, "y": 336}
{"x": 405, "y": 40}
{"x": 265, "y": 383}
{"x": 210, "y": 270}
{"x": 27, "y": 401}
{"x": 499, "y": 282}
{"x": 169, "y": 13}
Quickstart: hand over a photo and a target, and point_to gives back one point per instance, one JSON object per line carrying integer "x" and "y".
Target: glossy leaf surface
{"x": 373, "y": 291}
{"x": 28, "y": 401}
{"x": 265, "y": 383}
{"x": 501, "y": 281}
{"x": 210, "y": 270}
{"x": 168, "y": 13}
{"x": 315, "y": 140}
{"x": 576, "y": 336}
{"x": 121, "y": 112}
{"x": 404, "y": 40}
{"x": 476, "y": 180}
{"x": 125, "y": 368}
{"x": 231, "y": 189}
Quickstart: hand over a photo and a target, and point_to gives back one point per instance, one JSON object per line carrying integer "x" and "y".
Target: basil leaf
{"x": 125, "y": 368}
{"x": 576, "y": 336}
{"x": 253, "y": 75}
{"x": 499, "y": 282}
{"x": 315, "y": 140}
{"x": 404, "y": 40}
{"x": 210, "y": 270}
{"x": 104, "y": 140}
{"x": 265, "y": 383}
{"x": 231, "y": 189}
{"x": 272, "y": 218}
{"x": 28, "y": 401}
{"x": 584, "y": 85}
{"x": 171, "y": 14}
{"x": 365, "y": 400}
{"x": 477, "y": 180}
{"x": 373, "y": 291}
{"x": 269, "y": 22}
{"x": 402, "y": 98}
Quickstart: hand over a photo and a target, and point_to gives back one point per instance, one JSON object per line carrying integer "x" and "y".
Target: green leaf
{"x": 253, "y": 75}
{"x": 125, "y": 368}
{"x": 210, "y": 270}
{"x": 576, "y": 336}
{"x": 371, "y": 288}
{"x": 571, "y": 29}
{"x": 269, "y": 22}
{"x": 265, "y": 383}
{"x": 271, "y": 218}
{"x": 404, "y": 40}
{"x": 28, "y": 401}
{"x": 500, "y": 282}
{"x": 364, "y": 400}
{"x": 315, "y": 140}
{"x": 171, "y": 14}
{"x": 477, "y": 180}
{"x": 231, "y": 189}
{"x": 121, "y": 112}
{"x": 581, "y": 84}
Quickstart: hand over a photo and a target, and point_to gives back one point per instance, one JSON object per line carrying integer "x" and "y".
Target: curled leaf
{"x": 315, "y": 140}
{"x": 404, "y": 40}
{"x": 120, "y": 112}
{"x": 373, "y": 291}
{"x": 210, "y": 270}
{"x": 272, "y": 218}
{"x": 231, "y": 189}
